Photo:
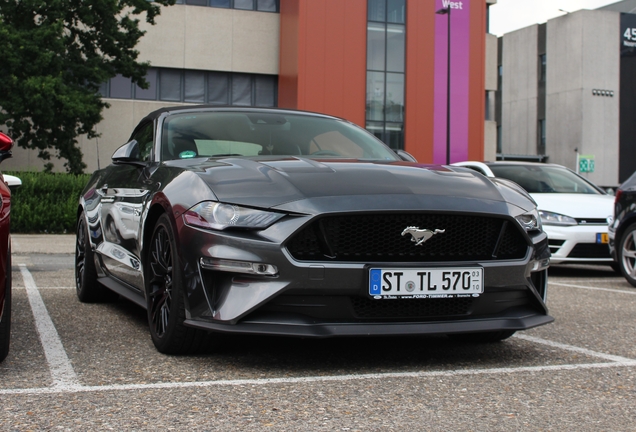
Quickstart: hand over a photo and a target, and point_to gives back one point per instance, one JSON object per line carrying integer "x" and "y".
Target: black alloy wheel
{"x": 5, "y": 322}
{"x": 626, "y": 252}
{"x": 88, "y": 289}
{"x": 164, "y": 293}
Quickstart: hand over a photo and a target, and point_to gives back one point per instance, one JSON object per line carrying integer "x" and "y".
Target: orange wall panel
{"x": 477, "y": 97}
{"x": 323, "y": 57}
{"x": 420, "y": 47}
{"x": 289, "y": 54}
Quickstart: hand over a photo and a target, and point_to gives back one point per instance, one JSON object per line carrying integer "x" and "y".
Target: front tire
{"x": 5, "y": 322}
{"x": 626, "y": 253}
{"x": 86, "y": 285}
{"x": 165, "y": 296}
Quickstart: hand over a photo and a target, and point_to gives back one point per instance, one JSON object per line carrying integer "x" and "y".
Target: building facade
{"x": 382, "y": 64}
{"x": 567, "y": 93}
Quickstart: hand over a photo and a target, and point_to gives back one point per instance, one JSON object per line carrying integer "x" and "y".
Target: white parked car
{"x": 575, "y": 213}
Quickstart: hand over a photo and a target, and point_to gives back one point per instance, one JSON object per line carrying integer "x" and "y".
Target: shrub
{"x": 46, "y": 202}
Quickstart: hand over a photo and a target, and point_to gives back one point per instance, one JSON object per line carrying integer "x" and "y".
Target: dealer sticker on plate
{"x": 426, "y": 282}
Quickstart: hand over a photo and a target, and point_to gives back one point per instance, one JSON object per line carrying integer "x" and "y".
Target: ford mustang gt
{"x": 268, "y": 221}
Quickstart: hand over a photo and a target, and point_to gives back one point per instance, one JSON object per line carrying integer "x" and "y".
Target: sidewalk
{"x": 24, "y": 244}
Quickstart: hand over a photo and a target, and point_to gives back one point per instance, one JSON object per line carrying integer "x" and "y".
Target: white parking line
{"x": 593, "y": 288}
{"x": 314, "y": 379}
{"x": 605, "y": 280}
{"x": 587, "y": 352}
{"x": 65, "y": 380}
{"x": 60, "y": 366}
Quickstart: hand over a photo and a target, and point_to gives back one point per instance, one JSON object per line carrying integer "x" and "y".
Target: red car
{"x": 6, "y": 144}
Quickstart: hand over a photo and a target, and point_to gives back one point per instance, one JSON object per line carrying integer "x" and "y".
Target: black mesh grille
{"x": 590, "y": 250}
{"x": 410, "y": 308}
{"x": 378, "y": 238}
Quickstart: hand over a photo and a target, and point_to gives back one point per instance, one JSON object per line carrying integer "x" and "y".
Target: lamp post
{"x": 447, "y": 11}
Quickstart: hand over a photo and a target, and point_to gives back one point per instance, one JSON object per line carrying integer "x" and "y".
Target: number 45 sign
{"x": 629, "y": 37}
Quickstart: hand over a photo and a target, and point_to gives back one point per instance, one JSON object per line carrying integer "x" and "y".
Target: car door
{"x": 124, "y": 192}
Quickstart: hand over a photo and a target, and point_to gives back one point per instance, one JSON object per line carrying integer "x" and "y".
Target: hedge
{"x": 46, "y": 202}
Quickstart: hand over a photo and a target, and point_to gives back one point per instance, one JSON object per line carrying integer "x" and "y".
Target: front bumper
{"x": 577, "y": 244}
{"x": 323, "y": 299}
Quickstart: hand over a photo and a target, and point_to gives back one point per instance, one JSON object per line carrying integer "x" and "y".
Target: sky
{"x": 509, "y": 15}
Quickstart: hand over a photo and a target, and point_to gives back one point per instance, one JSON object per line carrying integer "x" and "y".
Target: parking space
{"x": 79, "y": 366}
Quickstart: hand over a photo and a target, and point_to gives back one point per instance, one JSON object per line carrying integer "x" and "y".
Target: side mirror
{"x": 406, "y": 156}
{"x": 6, "y": 144}
{"x": 128, "y": 154}
{"x": 12, "y": 181}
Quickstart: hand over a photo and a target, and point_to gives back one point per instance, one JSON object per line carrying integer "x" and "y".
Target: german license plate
{"x": 426, "y": 282}
{"x": 602, "y": 238}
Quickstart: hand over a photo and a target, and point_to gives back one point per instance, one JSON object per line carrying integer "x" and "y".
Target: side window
{"x": 144, "y": 137}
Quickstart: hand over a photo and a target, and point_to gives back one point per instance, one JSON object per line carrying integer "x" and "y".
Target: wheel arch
{"x": 149, "y": 224}
{"x": 626, "y": 223}
{"x": 80, "y": 210}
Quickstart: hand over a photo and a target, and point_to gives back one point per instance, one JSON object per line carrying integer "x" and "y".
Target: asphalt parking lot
{"x": 75, "y": 366}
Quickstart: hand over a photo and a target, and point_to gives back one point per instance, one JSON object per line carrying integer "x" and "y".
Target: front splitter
{"x": 325, "y": 330}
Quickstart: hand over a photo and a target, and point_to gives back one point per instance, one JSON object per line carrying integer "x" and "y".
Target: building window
{"x": 190, "y": 86}
{"x": 151, "y": 92}
{"x": 386, "y": 48}
{"x": 499, "y": 142}
{"x": 257, "y": 5}
{"x": 170, "y": 85}
{"x": 541, "y": 137}
{"x": 542, "y": 68}
{"x": 490, "y": 105}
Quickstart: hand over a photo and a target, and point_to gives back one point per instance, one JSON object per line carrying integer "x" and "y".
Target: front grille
{"x": 410, "y": 308}
{"x": 590, "y": 250}
{"x": 592, "y": 221}
{"x": 378, "y": 238}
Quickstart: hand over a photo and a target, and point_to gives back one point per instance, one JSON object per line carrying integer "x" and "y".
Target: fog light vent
{"x": 261, "y": 269}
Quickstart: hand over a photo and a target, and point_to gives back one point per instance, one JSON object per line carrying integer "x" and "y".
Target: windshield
{"x": 222, "y": 134}
{"x": 545, "y": 179}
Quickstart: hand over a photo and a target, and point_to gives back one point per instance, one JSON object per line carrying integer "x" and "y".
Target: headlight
{"x": 218, "y": 216}
{"x": 529, "y": 221}
{"x": 549, "y": 218}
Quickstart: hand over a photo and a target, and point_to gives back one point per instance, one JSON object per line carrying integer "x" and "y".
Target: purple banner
{"x": 459, "y": 18}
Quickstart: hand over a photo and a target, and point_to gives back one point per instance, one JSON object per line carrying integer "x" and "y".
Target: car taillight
{"x": 618, "y": 196}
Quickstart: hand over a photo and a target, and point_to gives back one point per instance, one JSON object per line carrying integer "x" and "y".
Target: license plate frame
{"x": 425, "y": 282}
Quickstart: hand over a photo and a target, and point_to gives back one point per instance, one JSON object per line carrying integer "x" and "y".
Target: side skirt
{"x": 124, "y": 291}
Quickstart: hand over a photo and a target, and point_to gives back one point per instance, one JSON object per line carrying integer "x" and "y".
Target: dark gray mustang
{"x": 225, "y": 220}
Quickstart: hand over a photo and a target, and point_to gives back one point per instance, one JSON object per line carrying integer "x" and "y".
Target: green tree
{"x": 55, "y": 55}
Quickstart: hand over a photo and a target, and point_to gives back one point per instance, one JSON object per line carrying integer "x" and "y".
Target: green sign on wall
{"x": 586, "y": 163}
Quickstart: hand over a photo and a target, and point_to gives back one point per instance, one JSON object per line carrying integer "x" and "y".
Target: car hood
{"x": 307, "y": 185}
{"x": 576, "y": 205}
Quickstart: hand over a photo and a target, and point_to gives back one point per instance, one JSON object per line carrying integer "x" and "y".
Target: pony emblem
{"x": 419, "y": 236}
